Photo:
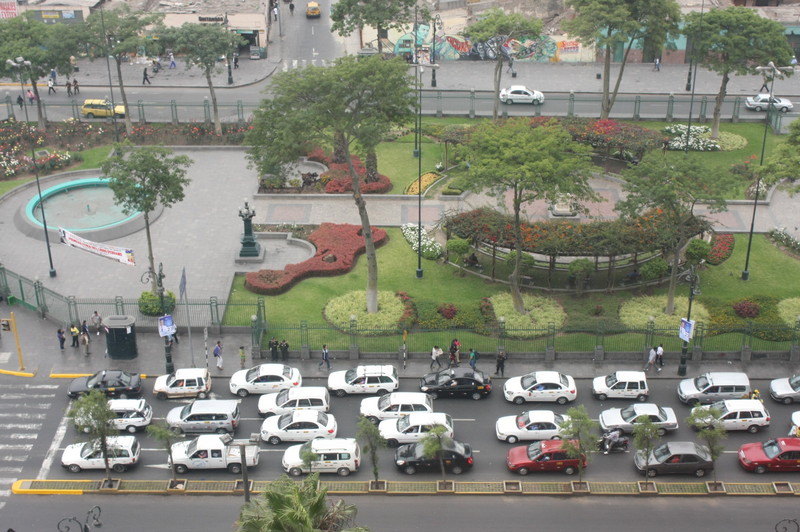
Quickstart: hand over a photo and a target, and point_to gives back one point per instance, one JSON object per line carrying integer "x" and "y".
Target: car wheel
{"x": 234, "y": 469}
{"x": 651, "y": 473}
{"x": 382, "y": 392}
{"x": 221, "y": 431}
{"x": 161, "y": 396}
{"x": 523, "y": 471}
{"x": 123, "y": 396}
{"x": 641, "y": 398}
{"x": 343, "y": 472}
{"x": 89, "y": 115}
{"x": 202, "y": 395}
{"x": 119, "y": 468}
{"x": 241, "y": 392}
{"x": 409, "y": 470}
{"x": 273, "y": 440}
{"x": 784, "y": 109}
{"x": 693, "y": 402}
{"x": 757, "y": 108}
{"x": 392, "y": 443}
{"x": 661, "y": 431}
{"x": 181, "y": 469}
{"x": 295, "y": 471}
{"x": 760, "y": 470}
{"x": 176, "y": 430}
{"x": 512, "y": 439}
{"x": 602, "y": 397}
{"x": 752, "y": 429}
{"x": 700, "y": 473}
{"x": 519, "y": 400}
{"x": 75, "y": 468}
{"x": 787, "y": 400}
{"x": 457, "y": 470}
{"x": 374, "y": 420}
{"x": 556, "y": 437}
{"x": 570, "y": 470}
{"x": 339, "y": 393}
{"x": 510, "y": 101}
{"x": 475, "y": 396}
{"x": 131, "y": 429}
{"x": 561, "y": 401}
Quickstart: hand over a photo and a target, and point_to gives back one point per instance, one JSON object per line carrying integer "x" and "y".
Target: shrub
{"x": 409, "y": 316}
{"x": 458, "y": 246}
{"x": 697, "y": 251}
{"x": 528, "y": 262}
{"x": 789, "y": 311}
{"x": 539, "y": 313}
{"x": 783, "y": 238}
{"x": 448, "y": 311}
{"x": 636, "y": 312}
{"x": 654, "y": 269}
{"x": 721, "y": 248}
{"x": 339, "y": 310}
{"x": 746, "y": 308}
{"x": 427, "y": 179}
{"x": 431, "y": 249}
{"x": 150, "y": 304}
{"x": 429, "y": 318}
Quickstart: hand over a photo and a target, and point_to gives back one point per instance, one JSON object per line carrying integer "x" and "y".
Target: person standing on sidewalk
{"x": 20, "y": 101}
{"x": 326, "y": 358}
{"x": 651, "y": 359}
{"x": 291, "y": 8}
{"x": 436, "y": 352}
{"x": 75, "y": 332}
{"x": 69, "y": 88}
{"x": 145, "y": 77}
{"x": 85, "y": 343}
{"x": 75, "y": 88}
{"x": 218, "y": 354}
{"x": 659, "y": 357}
{"x": 97, "y": 322}
{"x": 61, "y": 339}
{"x": 284, "y": 347}
{"x": 273, "y": 349}
{"x": 242, "y": 356}
{"x": 500, "y": 364}
{"x": 657, "y": 64}
{"x": 172, "y": 63}
{"x": 473, "y": 358}
{"x": 235, "y": 61}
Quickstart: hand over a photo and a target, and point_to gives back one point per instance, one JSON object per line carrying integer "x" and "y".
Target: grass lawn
{"x": 92, "y": 158}
{"x": 396, "y": 160}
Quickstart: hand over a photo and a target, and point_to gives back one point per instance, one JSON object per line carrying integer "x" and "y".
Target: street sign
{"x": 166, "y": 327}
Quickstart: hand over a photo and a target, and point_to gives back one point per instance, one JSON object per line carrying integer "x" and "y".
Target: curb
{"x": 19, "y": 373}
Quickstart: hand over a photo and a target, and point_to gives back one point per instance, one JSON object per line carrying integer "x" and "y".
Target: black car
{"x": 456, "y": 382}
{"x": 457, "y": 457}
{"x": 112, "y": 382}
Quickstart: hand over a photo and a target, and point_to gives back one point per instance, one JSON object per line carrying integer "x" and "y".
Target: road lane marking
{"x": 29, "y": 386}
{"x": 22, "y": 415}
{"x": 21, "y": 396}
{"x": 10, "y": 469}
{"x": 58, "y": 437}
{"x": 9, "y": 447}
{"x": 21, "y": 426}
{"x": 463, "y": 419}
{"x": 12, "y": 458}
{"x": 23, "y": 436}
{"x": 37, "y": 406}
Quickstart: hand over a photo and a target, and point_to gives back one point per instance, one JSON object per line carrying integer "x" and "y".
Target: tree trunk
{"x": 371, "y": 165}
{"x": 516, "y": 293}
{"x": 128, "y": 123}
{"x": 605, "y": 107}
{"x": 340, "y": 150}
{"x": 369, "y": 243}
{"x": 718, "y": 105}
{"x": 673, "y": 282}
{"x": 610, "y": 99}
{"x": 217, "y": 123}
{"x": 498, "y": 75}
{"x": 153, "y": 283}
{"x": 380, "y": 44}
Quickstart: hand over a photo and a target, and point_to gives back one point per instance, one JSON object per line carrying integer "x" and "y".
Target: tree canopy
{"x": 784, "y": 161}
{"x": 351, "y": 15}
{"x": 93, "y": 418}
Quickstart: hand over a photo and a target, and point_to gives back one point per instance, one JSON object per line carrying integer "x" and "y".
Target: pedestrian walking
{"x": 218, "y": 354}
{"x": 51, "y": 87}
{"x": 326, "y": 358}
{"x": 69, "y": 88}
{"x": 84, "y": 328}
{"x": 31, "y": 96}
{"x": 242, "y": 356}
{"x": 273, "y": 349}
{"x": 20, "y": 101}
{"x": 145, "y": 77}
{"x": 235, "y": 61}
{"x": 53, "y": 75}
{"x": 75, "y": 89}
{"x": 659, "y": 357}
{"x": 765, "y": 85}
{"x": 510, "y": 65}
{"x": 85, "y": 343}
{"x": 275, "y": 13}
{"x": 75, "y": 332}
{"x": 61, "y": 338}
{"x": 657, "y": 64}
{"x": 97, "y": 322}
{"x": 436, "y": 352}
{"x": 473, "y": 358}
{"x": 755, "y": 394}
{"x": 291, "y": 8}
{"x": 455, "y": 351}
{"x": 172, "y": 63}
{"x": 500, "y": 363}
{"x": 284, "y": 347}
{"x": 651, "y": 359}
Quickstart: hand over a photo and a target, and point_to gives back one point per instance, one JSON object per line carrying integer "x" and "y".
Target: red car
{"x": 547, "y": 455}
{"x": 780, "y": 454}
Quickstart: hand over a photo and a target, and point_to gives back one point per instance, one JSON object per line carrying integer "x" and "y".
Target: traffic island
{"x": 783, "y": 488}
{"x": 512, "y": 486}
{"x": 377, "y": 486}
{"x": 716, "y": 488}
{"x": 647, "y": 487}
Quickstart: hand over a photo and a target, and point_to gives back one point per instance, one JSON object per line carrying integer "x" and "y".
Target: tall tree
{"x": 161, "y": 432}
{"x": 706, "y": 421}
{"x": 783, "y": 162}
{"x": 609, "y": 24}
{"x": 358, "y": 99}
{"x": 203, "y": 45}
{"x": 142, "y": 178}
{"x": 646, "y": 436}
{"x": 735, "y": 41}
{"x": 45, "y": 46}
{"x": 296, "y": 506}
{"x": 433, "y": 445}
{"x": 671, "y": 187}
{"x": 579, "y": 433}
{"x": 119, "y": 33}
{"x": 496, "y": 29}
{"x": 93, "y": 419}
{"x": 371, "y": 441}
{"x": 539, "y": 163}
{"x": 351, "y": 15}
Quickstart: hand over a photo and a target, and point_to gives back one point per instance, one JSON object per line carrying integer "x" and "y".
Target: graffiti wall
{"x": 453, "y": 47}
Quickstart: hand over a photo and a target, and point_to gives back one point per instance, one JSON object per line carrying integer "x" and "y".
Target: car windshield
{"x": 252, "y": 373}
{"x": 86, "y": 449}
{"x": 772, "y": 448}
{"x": 350, "y": 376}
{"x": 284, "y": 420}
{"x": 186, "y": 410}
{"x": 287, "y": 371}
{"x": 611, "y": 380}
{"x": 92, "y": 381}
{"x": 322, "y": 419}
{"x": 384, "y": 401}
{"x": 661, "y": 453}
{"x": 794, "y": 382}
{"x": 443, "y": 377}
{"x": 281, "y": 397}
{"x": 719, "y": 405}
{"x": 563, "y": 380}
{"x": 701, "y": 382}
{"x": 191, "y": 448}
{"x": 403, "y": 423}
{"x": 479, "y": 376}
{"x": 170, "y": 378}
{"x": 534, "y": 450}
{"x": 528, "y": 380}
{"x": 523, "y": 420}
{"x": 628, "y": 413}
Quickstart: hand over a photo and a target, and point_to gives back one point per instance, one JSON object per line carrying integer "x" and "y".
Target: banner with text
{"x": 123, "y": 255}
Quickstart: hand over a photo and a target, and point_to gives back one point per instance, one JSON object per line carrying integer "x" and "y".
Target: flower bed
{"x": 430, "y": 248}
{"x": 721, "y": 248}
{"x": 427, "y": 180}
{"x": 338, "y": 180}
{"x": 698, "y": 139}
{"x": 337, "y": 245}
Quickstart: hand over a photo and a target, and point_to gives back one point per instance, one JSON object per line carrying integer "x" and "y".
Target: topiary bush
{"x": 746, "y": 308}
{"x": 339, "y": 310}
{"x": 789, "y": 311}
{"x": 150, "y": 303}
{"x": 528, "y": 262}
{"x": 539, "y": 313}
{"x": 654, "y": 269}
{"x": 697, "y": 251}
{"x": 458, "y": 247}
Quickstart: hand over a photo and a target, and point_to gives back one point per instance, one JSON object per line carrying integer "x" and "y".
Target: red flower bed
{"x": 338, "y": 180}
{"x": 338, "y": 245}
{"x": 746, "y": 308}
{"x": 342, "y": 184}
{"x": 721, "y": 248}
{"x": 448, "y": 310}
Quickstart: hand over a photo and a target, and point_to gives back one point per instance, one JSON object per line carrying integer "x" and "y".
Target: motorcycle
{"x": 618, "y": 445}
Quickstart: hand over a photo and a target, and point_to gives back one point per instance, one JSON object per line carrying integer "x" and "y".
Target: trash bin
{"x": 121, "y": 337}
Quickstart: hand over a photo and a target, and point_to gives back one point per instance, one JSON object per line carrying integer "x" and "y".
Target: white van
{"x": 183, "y": 382}
{"x": 740, "y": 414}
{"x": 621, "y": 385}
{"x": 300, "y": 398}
{"x": 338, "y": 455}
{"x": 714, "y": 386}
{"x": 130, "y": 415}
{"x": 208, "y": 415}
{"x": 395, "y": 404}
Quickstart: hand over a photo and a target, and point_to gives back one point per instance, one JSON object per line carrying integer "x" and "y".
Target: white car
{"x": 785, "y": 390}
{"x": 760, "y": 102}
{"x": 738, "y": 414}
{"x": 364, "y": 379}
{"x": 625, "y": 419}
{"x": 530, "y": 425}
{"x": 265, "y": 378}
{"x": 521, "y": 94}
{"x": 794, "y": 431}
{"x": 413, "y": 427}
{"x": 130, "y": 415}
{"x": 300, "y": 398}
{"x": 299, "y": 425}
{"x": 183, "y": 382}
{"x": 123, "y": 452}
{"x": 394, "y": 405}
{"x": 541, "y": 386}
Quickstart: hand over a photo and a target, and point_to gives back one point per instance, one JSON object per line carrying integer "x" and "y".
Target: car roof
{"x": 406, "y": 397}
{"x": 682, "y": 447}
{"x": 547, "y": 376}
{"x": 126, "y": 404}
{"x": 461, "y": 372}
{"x": 518, "y": 87}
{"x": 385, "y": 369}
{"x": 213, "y": 405}
{"x": 743, "y": 404}
{"x": 727, "y": 377}
{"x": 789, "y": 444}
{"x": 630, "y": 375}
{"x": 188, "y": 373}
{"x": 333, "y": 444}
{"x": 304, "y": 415}
{"x": 424, "y": 417}
{"x": 117, "y": 441}
{"x": 645, "y": 408}
{"x": 307, "y": 391}
{"x": 541, "y": 415}
{"x": 271, "y": 369}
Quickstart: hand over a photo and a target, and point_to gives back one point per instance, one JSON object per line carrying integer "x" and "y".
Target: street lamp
{"x": 107, "y": 40}
{"x": 694, "y": 290}
{"x": 437, "y": 23}
{"x": 691, "y": 87}
{"x": 66, "y": 524}
{"x": 419, "y": 175}
{"x": 148, "y": 277}
{"x": 19, "y": 64}
{"x": 770, "y": 71}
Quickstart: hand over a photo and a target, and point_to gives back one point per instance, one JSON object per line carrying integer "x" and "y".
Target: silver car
{"x": 786, "y": 390}
{"x": 625, "y": 419}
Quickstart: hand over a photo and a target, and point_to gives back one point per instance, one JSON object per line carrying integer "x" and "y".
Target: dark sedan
{"x": 411, "y": 458}
{"x": 456, "y": 382}
{"x": 677, "y": 457}
{"x": 112, "y": 382}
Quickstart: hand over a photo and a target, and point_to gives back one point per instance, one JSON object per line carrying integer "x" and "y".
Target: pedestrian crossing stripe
{"x": 293, "y": 64}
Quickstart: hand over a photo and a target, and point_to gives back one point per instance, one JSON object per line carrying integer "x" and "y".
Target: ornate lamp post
{"x": 19, "y": 64}
{"x": 437, "y": 23}
{"x": 250, "y": 248}
{"x": 148, "y": 277}
{"x": 66, "y": 524}
{"x": 107, "y": 40}
{"x": 773, "y": 71}
{"x": 694, "y": 290}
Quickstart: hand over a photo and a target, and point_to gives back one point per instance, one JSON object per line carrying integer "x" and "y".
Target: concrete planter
{"x": 110, "y": 485}
{"x": 647, "y": 487}
{"x": 783, "y": 488}
{"x": 580, "y": 487}
{"x": 445, "y": 486}
{"x": 716, "y": 488}
{"x": 177, "y": 485}
{"x": 378, "y": 486}
{"x": 512, "y": 486}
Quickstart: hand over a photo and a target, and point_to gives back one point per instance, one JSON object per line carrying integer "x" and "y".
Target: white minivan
{"x": 394, "y": 405}
{"x": 300, "y": 398}
{"x": 337, "y": 455}
{"x": 740, "y": 414}
{"x": 621, "y": 385}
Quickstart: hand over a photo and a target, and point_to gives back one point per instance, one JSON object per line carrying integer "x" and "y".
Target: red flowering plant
{"x": 409, "y": 316}
{"x": 447, "y": 310}
{"x": 746, "y": 308}
{"x": 721, "y": 248}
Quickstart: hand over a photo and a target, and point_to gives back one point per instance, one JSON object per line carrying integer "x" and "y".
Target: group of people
{"x": 655, "y": 358}
{"x": 80, "y": 332}
{"x": 274, "y": 346}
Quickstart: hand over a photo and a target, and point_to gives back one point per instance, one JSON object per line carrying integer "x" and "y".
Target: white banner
{"x": 686, "y": 332}
{"x": 123, "y": 255}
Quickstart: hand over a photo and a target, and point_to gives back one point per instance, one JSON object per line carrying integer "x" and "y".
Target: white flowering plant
{"x": 698, "y": 138}
{"x": 431, "y": 249}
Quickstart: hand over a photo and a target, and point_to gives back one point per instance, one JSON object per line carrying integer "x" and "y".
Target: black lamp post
{"x": 250, "y": 248}
{"x": 419, "y": 176}
{"x": 437, "y": 23}
{"x": 19, "y": 64}
{"x": 148, "y": 277}
{"x": 691, "y": 87}
{"x": 694, "y": 280}
{"x": 773, "y": 71}
{"x": 107, "y": 40}
{"x": 230, "y": 57}
{"x": 66, "y": 524}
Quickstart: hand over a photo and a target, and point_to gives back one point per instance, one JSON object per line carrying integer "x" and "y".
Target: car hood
{"x": 599, "y": 383}
{"x": 518, "y": 455}
{"x": 781, "y": 387}
{"x": 179, "y": 449}
{"x": 174, "y": 415}
{"x": 336, "y": 379}
{"x": 611, "y": 418}
{"x": 514, "y": 384}
{"x": 369, "y": 406}
{"x": 388, "y": 426}
{"x": 506, "y": 424}
{"x": 270, "y": 424}
{"x": 71, "y": 453}
{"x": 754, "y": 452}
{"x": 161, "y": 384}
{"x": 291, "y": 456}
{"x": 405, "y": 451}
{"x": 429, "y": 379}
{"x": 78, "y": 385}
{"x": 686, "y": 387}
{"x": 239, "y": 378}
{"x": 267, "y": 402}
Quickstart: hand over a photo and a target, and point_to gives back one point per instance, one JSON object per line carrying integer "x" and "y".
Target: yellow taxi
{"x": 101, "y": 108}
{"x": 312, "y": 10}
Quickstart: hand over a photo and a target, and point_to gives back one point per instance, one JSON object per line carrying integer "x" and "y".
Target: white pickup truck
{"x": 213, "y": 451}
